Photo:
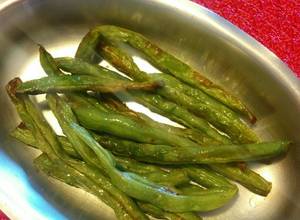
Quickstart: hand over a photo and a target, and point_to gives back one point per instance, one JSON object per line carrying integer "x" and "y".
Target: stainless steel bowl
{"x": 201, "y": 38}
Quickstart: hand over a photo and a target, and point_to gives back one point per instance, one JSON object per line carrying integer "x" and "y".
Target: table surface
{"x": 275, "y": 23}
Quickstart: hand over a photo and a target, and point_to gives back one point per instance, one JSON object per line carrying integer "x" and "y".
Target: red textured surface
{"x": 2, "y": 216}
{"x": 275, "y": 23}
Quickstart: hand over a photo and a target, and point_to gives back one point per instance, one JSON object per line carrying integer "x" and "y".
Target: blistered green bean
{"x": 169, "y": 64}
{"x": 73, "y": 83}
{"x": 191, "y": 98}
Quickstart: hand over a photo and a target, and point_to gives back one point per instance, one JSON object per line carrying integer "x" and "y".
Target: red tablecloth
{"x": 2, "y": 216}
{"x": 275, "y": 23}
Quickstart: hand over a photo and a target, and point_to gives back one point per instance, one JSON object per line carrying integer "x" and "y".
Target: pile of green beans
{"x": 137, "y": 166}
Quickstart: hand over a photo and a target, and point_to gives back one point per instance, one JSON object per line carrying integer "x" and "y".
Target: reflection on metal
{"x": 140, "y": 108}
{"x": 144, "y": 65}
{"x": 268, "y": 174}
{"x": 22, "y": 201}
{"x": 6, "y": 3}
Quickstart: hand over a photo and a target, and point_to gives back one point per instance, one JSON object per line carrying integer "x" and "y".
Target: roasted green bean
{"x": 206, "y": 177}
{"x": 165, "y": 62}
{"x": 163, "y": 154}
{"x": 129, "y": 128}
{"x": 69, "y": 83}
{"x": 176, "y": 113}
{"x": 203, "y": 176}
{"x": 63, "y": 172}
{"x": 137, "y": 187}
{"x": 134, "y": 164}
{"x": 158, "y": 213}
{"x": 114, "y": 104}
{"x": 154, "y": 173}
{"x": 248, "y": 178}
{"x": 153, "y": 101}
{"x": 49, "y": 144}
{"x": 193, "y": 99}
{"x": 170, "y": 179}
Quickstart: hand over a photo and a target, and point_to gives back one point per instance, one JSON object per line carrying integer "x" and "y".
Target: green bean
{"x": 217, "y": 115}
{"x": 164, "y": 154}
{"x": 87, "y": 154}
{"x": 176, "y": 177}
{"x": 184, "y": 133}
{"x": 153, "y": 173}
{"x": 70, "y": 176}
{"x": 171, "y": 65}
{"x": 80, "y": 67}
{"x": 163, "y": 178}
{"x": 96, "y": 120}
{"x": 176, "y": 113}
{"x": 155, "y": 212}
{"x": 48, "y": 63}
{"x": 193, "y": 99}
{"x": 50, "y": 144}
{"x": 191, "y": 189}
{"x": 140, "y": 188}
{"x": 69, "y": 83}
{"x": 188, "y": 216}
{"x": 249, "y": 178}
{"x": 158, "y": 213}
{"x": 147, "y": 191}
{"x": 113, "y": 103}
{"x": 70, "y": 63}
{"x": 129, "y": 128}
{"x": 50, "y": 67}
{"x": 170, "y": 178}
{"x": 201, "y": 175}
{"x": 207, "y": 178}
{"x": 77, "y": 66}
{"x": 195, "y": 136}
{"x": 126, "y": 202}
{"x": 246, "y": 177}
{"x": 119, "y": 108}
{"x": 86, "y": 49}
{"x": 35, "y": 121}
{"x": 61, "y": 171}
{"x": 24, "y": 135}
{"x": 21, "y": 103}
{"x": 241, "y": 179}
{"x": 104, "y": 163}
{"x": 155, "y": 102}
